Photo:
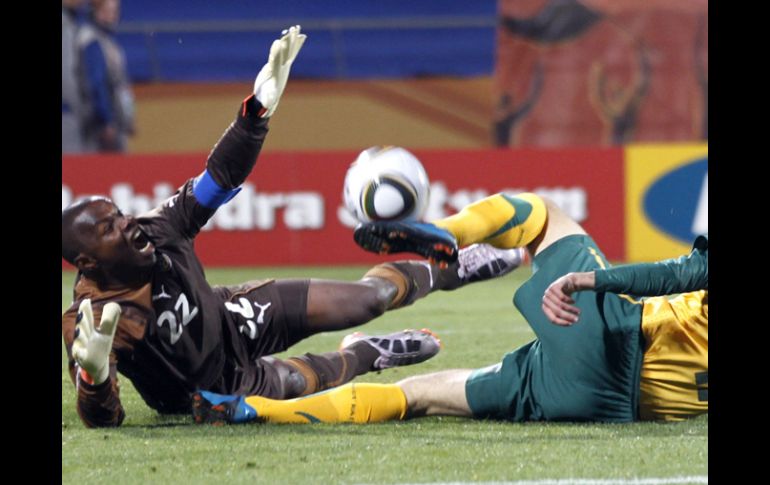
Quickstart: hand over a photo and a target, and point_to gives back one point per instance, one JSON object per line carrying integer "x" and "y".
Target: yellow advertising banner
{"x": 666, "y": 199}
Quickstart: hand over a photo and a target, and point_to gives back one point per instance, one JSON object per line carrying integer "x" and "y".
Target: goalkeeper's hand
{"x": 271, "y": 80}
{"x": 92, "y": 346}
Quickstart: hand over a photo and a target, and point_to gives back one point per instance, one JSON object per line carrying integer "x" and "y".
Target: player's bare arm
{"x": 558, "y": 304}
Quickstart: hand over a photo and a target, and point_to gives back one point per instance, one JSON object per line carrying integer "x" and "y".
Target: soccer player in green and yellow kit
{"x": 600, "y": 354}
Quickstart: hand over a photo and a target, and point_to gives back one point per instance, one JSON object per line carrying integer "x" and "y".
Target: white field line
{"x": 586, "y": 481}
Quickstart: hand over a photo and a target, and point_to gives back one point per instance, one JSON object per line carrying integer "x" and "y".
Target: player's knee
{"x": 295, "y": 384}
{"x": 375, "y": 300}
{"x": 554, "y": 212}
{"x": 550, "y": 206}
{"x": 377, "y": 296}
{"x": 291, "y": 381}
{"x": 360, "y": 303}
{"x": 560, "y": 224}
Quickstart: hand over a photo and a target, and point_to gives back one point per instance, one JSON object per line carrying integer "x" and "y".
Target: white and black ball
{"x": 386, "y": 183}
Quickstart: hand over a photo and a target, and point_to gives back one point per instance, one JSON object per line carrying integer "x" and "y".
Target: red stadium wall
{"x": 289, "y": 211}
{"x": 601, "y": 72}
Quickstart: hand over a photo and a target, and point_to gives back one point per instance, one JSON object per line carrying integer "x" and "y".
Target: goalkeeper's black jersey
{"x": 174, "y": 335}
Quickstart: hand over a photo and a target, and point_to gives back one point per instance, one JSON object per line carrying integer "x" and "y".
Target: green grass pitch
{"x": 477, "y": 324}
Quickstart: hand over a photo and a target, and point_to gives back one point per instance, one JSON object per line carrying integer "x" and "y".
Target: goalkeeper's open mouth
{"x": 140, "y": 242}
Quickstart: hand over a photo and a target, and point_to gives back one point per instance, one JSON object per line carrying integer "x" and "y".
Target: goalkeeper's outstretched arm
{"x": 236, "y": 152}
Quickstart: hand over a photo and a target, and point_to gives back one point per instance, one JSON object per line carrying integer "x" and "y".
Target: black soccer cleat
{"x": 425, "y": 239}
{"x": 220, "y": 409}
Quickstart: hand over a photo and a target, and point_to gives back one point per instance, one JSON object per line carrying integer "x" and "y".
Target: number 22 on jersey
{"x": 170, "y": 317}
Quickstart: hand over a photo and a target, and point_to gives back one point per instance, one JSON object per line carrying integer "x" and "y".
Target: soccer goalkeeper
{"x": 166, "y": 329}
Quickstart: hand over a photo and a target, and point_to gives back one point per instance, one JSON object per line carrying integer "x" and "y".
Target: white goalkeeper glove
{"x": 92, "y": 346}
{"x": 271, "y": 80}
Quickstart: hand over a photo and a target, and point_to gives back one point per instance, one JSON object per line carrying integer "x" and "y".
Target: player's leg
{"x": 499, "y": 391}
{"x": 442, "y": 393}
{"x": 310, "y": 373}
{"x": 557, "y": 226}
{"x": 357, "y": 356}
{"x": 437, "y": 394}
{"x": 273, "y": 316}
{"x": 523, "y": 220}
{"x": 351, "y": 403}
{"x": 501, "y": 220}
{"x": 336, "y": 305}
{"x": 279, "y": 381}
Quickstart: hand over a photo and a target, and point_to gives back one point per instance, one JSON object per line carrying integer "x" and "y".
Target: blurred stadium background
{"x": 600, "y": 104}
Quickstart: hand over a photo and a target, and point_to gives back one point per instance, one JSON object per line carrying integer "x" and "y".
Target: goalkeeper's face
{"x": 112, "y": 240}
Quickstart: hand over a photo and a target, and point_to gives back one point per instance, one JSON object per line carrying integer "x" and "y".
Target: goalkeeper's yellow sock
{"x": 500, "y": 220}
{"x": 351, "y": 403}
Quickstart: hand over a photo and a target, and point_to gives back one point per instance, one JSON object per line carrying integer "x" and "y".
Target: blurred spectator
{"x": 108, "y": 114}
{"x": 71, "y": 11}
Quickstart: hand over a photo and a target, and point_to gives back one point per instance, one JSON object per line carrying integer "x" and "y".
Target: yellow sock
{"x": 500, "y": 220}
{"x": 351, "y": 403}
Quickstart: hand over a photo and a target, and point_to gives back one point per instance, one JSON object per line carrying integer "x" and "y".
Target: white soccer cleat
{"x": 400, "y": 348}
{"x": 479, "y": 262}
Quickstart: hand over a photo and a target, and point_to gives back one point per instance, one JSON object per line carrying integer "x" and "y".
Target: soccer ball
{"x": 386, "y": 183}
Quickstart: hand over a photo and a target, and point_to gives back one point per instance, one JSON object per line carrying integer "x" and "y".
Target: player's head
{"x": 106, "y": 12}
{"x": 100, "y": 241}
{"x": 73, "y": 4}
